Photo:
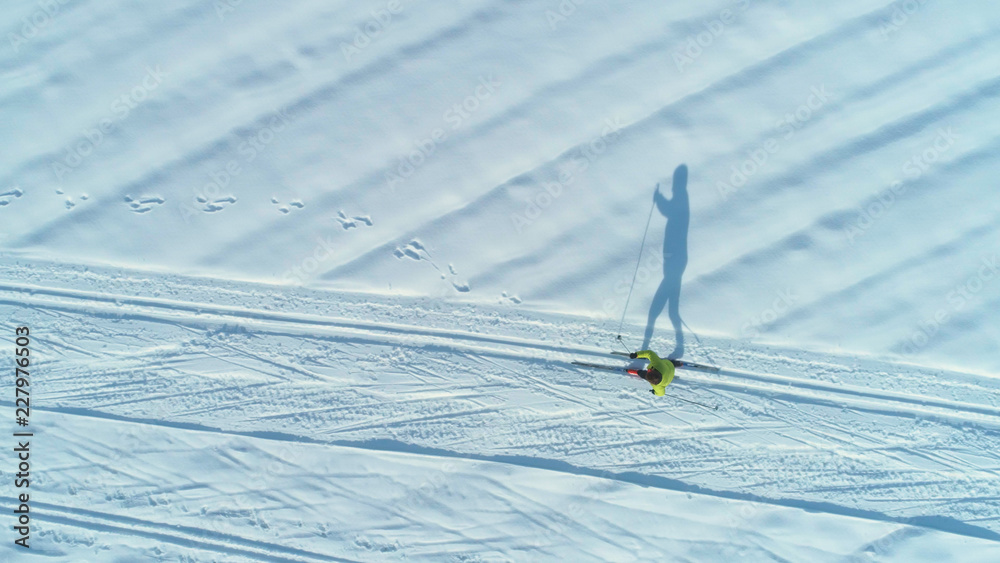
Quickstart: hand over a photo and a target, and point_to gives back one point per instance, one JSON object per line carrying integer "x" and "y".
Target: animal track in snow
{"x": 10, "y": 195}
{"x": 461, "y": 287}
{"x": 215, "y": 205}
{"x": 413, "y": 250}
{"x": 70, "y": 204}
{"x": 297, "y": 203}
{"x": 353, "y": 221}
{"x": 141, "y": 205}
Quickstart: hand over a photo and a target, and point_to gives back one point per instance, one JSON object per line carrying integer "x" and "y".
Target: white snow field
{"x": 304, "y": 279}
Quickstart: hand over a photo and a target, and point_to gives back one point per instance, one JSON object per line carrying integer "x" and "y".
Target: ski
{"x": 599, "y": 366}
{"x": 626, "y": 370}
{"x": 684, "y": 364}
{"x": 701, "y": 367}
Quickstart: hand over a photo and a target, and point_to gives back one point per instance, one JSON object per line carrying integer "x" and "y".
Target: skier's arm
{"x": 647, "y": 355}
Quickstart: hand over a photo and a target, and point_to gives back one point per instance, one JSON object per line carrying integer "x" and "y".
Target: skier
{"x": 660, "y": 372}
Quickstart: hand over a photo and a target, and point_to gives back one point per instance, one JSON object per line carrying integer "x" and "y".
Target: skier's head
{"x": 653, "y": 376}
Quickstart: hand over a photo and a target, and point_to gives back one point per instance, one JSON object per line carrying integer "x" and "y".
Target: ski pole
{"x": 715, "y": 408}
{"x": 698, "y": 340}
{"x": 619, "y": 339}
{"x": 637, "y": 261}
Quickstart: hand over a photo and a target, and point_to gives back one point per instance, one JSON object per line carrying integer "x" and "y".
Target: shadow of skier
{"x": 677, "y": 210}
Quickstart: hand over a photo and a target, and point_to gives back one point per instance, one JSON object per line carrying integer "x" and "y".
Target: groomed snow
{"x": 301, "y": 294}
{"x": 314, "y": 502}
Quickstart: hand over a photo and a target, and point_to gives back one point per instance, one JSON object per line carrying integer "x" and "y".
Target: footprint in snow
{"x": 286, "y": 209}
{"x": 10, "y": 195}
{"x": 459, "y": 286}
{"x": 216, "y": 204}
{"x": 415, "y": 250}
{"x": 141, "y": 205}
{"x": 409, "y": 253}
{"x": 350, "y": 223}
{"x": 411, "y": 250}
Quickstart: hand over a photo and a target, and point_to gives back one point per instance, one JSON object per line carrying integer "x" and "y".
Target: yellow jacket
{"x": 665, "y": 367}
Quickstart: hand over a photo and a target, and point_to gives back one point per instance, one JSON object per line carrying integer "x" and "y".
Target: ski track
{"x": 511, "y": 397}
{"x": 197, "y": 315}
{"x": 183, "y": 536}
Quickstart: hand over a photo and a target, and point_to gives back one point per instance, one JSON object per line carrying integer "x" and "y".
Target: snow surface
{"x": 266, "y": 326}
